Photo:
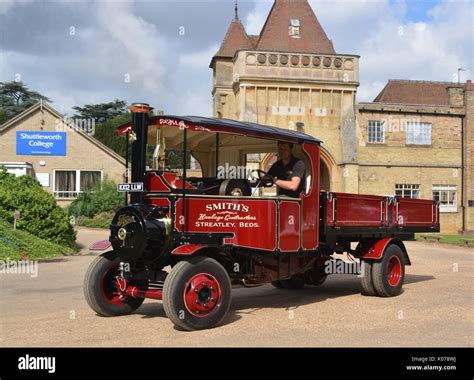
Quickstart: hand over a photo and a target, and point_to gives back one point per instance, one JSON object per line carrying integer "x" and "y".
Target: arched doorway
{"x": 327, "y": 171}
{"x": 324, "y": 177}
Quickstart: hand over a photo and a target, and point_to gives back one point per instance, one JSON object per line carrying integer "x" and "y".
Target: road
{"x": 435, "y": 309}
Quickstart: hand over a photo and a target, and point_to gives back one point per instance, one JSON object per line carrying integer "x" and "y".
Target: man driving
{"x": 288, "y": 172}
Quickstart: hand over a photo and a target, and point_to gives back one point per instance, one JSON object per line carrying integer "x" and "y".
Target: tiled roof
{"x": 415, "y": 92}
{"x": 236, "y": 38}
{"x": 275, "y": 33}
{"x": 254, "y": 40}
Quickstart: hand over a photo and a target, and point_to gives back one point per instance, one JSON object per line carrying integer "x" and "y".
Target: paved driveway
{"x": 436, "y": 309}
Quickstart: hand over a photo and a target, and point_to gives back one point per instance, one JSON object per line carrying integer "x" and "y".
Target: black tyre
{"x": 389, "y": 272}
{"x": 366, "y": 283}
{"x": 197, "y": 293}
{"x": 100, "y": 288}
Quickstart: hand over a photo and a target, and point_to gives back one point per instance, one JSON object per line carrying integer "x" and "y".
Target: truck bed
{"x": 368, "y": 214}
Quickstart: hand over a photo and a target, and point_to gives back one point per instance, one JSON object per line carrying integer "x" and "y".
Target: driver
{"x": 288, "y": 173}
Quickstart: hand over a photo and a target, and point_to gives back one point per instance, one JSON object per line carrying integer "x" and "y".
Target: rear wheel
{"x": 389, "y": 272}
{"x": 101, "y": 291}
{"x": 366, "y": 283}
{"x": 197, "y": 293}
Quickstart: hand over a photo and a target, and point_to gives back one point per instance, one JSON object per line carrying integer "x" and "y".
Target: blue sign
{"x": 41, "y": 143}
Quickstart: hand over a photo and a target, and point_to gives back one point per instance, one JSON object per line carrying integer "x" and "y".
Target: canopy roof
{"x": 197, "y": 123}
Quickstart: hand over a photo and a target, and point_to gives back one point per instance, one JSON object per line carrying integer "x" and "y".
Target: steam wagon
{"x": 187, "y": 240}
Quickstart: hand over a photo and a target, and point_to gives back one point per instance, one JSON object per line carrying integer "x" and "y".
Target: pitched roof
{"x": 275, "y": 33}
{"x": 415, "y": 92}
{"x": 236, "y": 38}
{"x": 10, "y": 123}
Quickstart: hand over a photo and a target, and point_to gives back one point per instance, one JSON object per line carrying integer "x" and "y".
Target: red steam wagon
{"x": 186, "y": 240}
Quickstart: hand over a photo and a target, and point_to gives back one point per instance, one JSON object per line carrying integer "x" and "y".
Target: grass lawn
{"x": 21, "y": 245}
{"x": 449, "y": 239}
{"x": 101, "y": 220}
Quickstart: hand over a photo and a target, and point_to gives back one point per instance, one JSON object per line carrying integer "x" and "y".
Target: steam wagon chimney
{"x": 140, "y": 113}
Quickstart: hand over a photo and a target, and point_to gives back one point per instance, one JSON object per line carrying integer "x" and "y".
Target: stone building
{"x": 65, "y": 158}
{"x": 414, "y": 140}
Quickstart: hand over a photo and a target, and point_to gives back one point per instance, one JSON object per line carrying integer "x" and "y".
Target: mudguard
{"x": 373, "y": 249}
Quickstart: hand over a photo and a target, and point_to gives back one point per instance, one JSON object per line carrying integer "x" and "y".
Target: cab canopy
{"x": 219, "y": 125}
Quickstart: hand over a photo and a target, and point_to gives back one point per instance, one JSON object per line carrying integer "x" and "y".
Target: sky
{"x": 158, "y": 52}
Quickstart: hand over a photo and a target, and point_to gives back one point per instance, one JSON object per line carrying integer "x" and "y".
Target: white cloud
{"x": 255, "y": 19}
{"x": 200, "y": 59}
{"x": 171, "y": 71}
{"x": 136, "y": 40}
{"x": 6, "y": 5}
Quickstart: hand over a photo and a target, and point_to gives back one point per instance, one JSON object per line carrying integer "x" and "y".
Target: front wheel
{"x": 197, "y": 293}
{"x": 389, "y": 272}
{"x": 100, "y": 287}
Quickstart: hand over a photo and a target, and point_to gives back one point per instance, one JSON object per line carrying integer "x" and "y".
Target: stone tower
{"x": 290, "y": 76}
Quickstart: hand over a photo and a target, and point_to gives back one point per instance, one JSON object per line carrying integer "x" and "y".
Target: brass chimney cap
{"x": 140, "y": 108}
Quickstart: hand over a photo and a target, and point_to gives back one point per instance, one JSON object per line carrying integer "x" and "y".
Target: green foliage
{"x": 98, "y": 200}
{"x": 40, "y": 215}
{"x": 106, "y": 133}
{"x": 101, "y": 112}
{"x": 18, "y": 245}
{"x": 101, "y": 220}
{"x": 448, "y": 239}
{"x": 15, "y": 97}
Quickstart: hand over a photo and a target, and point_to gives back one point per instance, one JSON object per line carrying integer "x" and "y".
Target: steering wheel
{"x": 264, "y": 179}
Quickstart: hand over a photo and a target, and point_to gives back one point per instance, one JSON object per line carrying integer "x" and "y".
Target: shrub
{"x": 97, "y": 201}
{"x": 18, "y": 245}
{"x": 40, "y": 215}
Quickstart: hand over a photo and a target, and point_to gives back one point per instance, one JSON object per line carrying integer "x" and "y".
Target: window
{"x": 89, "y": 179}
{"x": 418, "y": 133}
{"x": 69, "y": 183}
{"x": 294, "y": 28}
{"x": 446, "y": 195}
{"x": 376, "y": 132}
{"x": 470, "y": 203}
{"x": 407, "y": 191}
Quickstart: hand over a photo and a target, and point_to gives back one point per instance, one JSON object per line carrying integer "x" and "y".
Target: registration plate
{"x": 134, "y": 187}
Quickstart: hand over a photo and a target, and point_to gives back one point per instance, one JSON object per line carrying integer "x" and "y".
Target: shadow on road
{"x": 250, "y": 300}
{"x": 412, "y": 278}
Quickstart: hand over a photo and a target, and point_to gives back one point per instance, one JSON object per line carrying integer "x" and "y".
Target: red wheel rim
{"x": 394, "y": 271}
{"x": 109, "y": 286}
{"x": 202, "y": 295}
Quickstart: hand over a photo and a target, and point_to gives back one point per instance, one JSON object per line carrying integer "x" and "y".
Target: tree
{"x": 15, "y": 97}
{"x": 107, "y": 133}
{"x": 101, "y": 112}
